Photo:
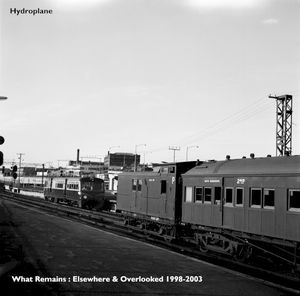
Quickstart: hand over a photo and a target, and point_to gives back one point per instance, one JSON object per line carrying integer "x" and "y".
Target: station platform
{"x": 48, "y": 255}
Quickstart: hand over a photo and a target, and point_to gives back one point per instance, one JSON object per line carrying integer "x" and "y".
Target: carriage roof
{"x": 249, "y": 166}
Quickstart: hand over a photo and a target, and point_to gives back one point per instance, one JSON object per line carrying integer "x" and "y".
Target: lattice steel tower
{"x": 284, "y": 111}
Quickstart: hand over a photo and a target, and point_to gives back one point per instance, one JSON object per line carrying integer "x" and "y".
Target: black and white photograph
{"x": 150, "y": 147}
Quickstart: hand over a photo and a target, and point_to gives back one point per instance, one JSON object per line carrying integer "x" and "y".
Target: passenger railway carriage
{"x": 86, "y": 192}
{"x": 236, "y": 204}
{"x": 152, "y": 200}
{"x": 232, "y": 206}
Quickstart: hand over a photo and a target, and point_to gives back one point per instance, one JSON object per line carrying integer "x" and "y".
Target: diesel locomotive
{"x": 237, "y": 207}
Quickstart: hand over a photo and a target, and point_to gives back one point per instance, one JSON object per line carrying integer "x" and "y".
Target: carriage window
{"x": 172, "y": 170}
{"x": 188, "y": 194}
{"x": 229, "y": 197}
{"x": 163, "y": 188}
{"x": 294, "y": 200}
{"x": 198, "y": 194}
{"x": 217, "y": 195}
{"x": 164, "y": 170}
{"x": 134, "y": 181}
{"x": 239, "y": 197}
{"x": 140, "y": 182}
{"x": 269, "y": 199}
{"x": 59, "y": 185}
{"x": 207, "y": 195}
{"x": 255, "y": 201}
{"x": 72, "y": 186}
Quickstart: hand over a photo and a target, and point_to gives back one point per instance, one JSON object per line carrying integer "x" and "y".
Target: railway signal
{"x": 1, "y": 138}
{"x": 14, "y": 172}
{"x": 1, "y": 153}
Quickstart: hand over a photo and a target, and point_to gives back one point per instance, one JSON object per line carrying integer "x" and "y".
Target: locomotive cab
{"x": 92, "y": 193}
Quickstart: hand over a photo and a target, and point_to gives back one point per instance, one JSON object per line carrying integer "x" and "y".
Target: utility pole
{"x": 20, "y": 163}
{"x": 174, "y": 148}
{"x": 146, "y": 152}
{"x": 284, "y": 111}
{"x": 43, "y": 168}
{"x": 135, "y": 152}
{"x": 187, "y": 151}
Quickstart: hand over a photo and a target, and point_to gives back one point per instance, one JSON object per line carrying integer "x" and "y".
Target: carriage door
{"x": 163, "y": 196}
{"x": 216, "y": 185}
{"x": 65, "y": 189}
{"x": 227, "y": 205}
{"x": 217, "y": 207}
{"x": 138, "y": 197}
{"x": 133, "y": 196}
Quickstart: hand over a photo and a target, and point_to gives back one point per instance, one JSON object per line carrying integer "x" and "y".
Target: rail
{"x": 114, "y": 222}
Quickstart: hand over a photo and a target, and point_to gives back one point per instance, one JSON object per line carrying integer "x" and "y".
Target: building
{"x": 84, "y": 168}
{"x": 121, "y": 161}
{"x": 115, "y": 164}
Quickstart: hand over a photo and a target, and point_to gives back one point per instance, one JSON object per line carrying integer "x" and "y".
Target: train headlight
{"x": 84, "y": 197}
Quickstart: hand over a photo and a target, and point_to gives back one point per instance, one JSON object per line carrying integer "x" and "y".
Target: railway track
{"x": 113, "y": 222}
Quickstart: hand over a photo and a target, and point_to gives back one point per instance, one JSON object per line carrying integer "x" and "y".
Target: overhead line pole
{"x": 284, "y": 111}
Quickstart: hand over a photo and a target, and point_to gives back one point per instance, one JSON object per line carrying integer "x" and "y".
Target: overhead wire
{"x": 244, "y": 113}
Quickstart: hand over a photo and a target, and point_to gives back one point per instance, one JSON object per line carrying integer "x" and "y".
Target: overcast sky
{"x": 103, "y": 73}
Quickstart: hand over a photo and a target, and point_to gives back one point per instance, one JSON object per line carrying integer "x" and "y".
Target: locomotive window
{"x": 294, "y": 200}
{"x": 163, "y": 186}
{"x": 239, "y": 197}
{"x": 140, "y": 182}
{"x": 188, "y": 197}
{"x": 217, "y": 195}
{"x": 255, "y": 201}
{"x": 102, "y": 186}
{"x": 207, "y": 194}
{"x": 134, "y": 181}
{"x": 198, "y": 194}
{"x": 229, "y": 197}
{"x": 269, "y": 199}
{"x": 87, "y": 186}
